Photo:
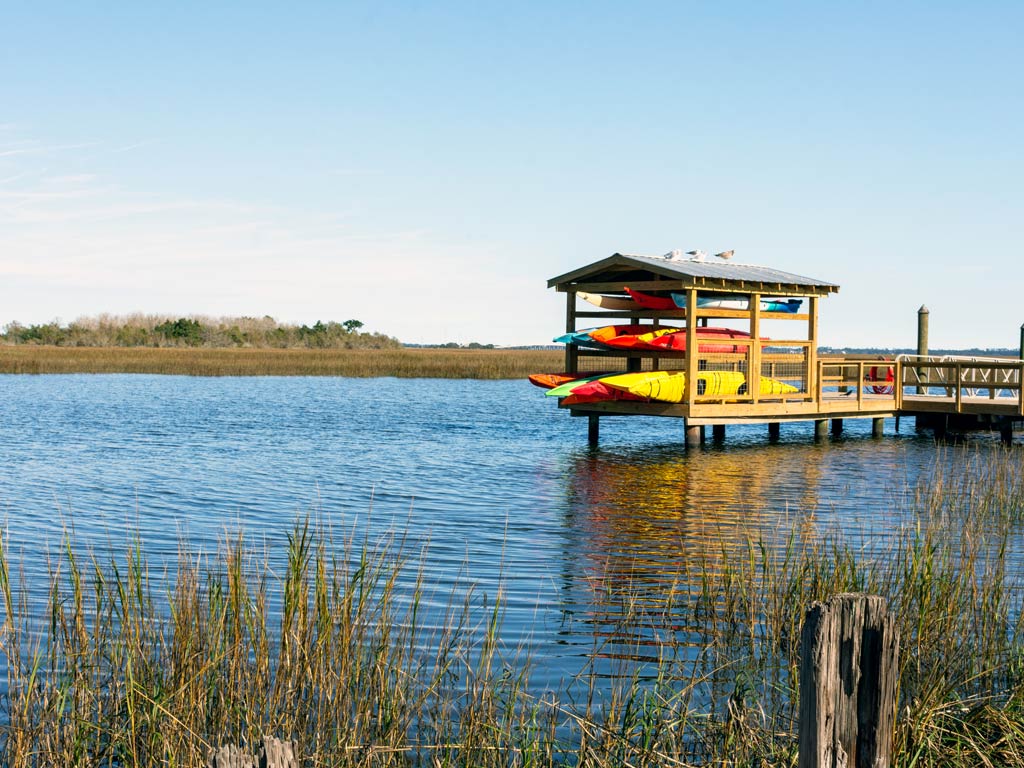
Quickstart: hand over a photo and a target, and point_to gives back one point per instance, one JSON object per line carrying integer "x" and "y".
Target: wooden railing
{"x": 857, "y": 378}
{"x": 962, "y": 378}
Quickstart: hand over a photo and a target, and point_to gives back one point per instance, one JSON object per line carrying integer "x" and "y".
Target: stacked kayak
{"x": 650, "y": 338}
{"x": 640, "y": 300}
{"x": 661, "y": 386}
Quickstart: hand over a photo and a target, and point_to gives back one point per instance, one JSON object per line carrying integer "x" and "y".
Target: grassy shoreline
{"x": 361, "y": 363}
{"x": 114, "y": 667}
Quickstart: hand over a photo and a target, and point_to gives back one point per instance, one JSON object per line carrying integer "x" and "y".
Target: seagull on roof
{"x": 673, "y": 255}
{"x": 697, "y": 255}
{"x": 726, "y": 255}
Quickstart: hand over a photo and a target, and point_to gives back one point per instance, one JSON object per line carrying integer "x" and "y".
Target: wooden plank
{"x": 764, "y": 410}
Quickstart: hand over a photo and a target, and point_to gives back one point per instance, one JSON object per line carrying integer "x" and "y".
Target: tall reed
{"x": 403, "y": 363}
{"x": 348, "y": 649}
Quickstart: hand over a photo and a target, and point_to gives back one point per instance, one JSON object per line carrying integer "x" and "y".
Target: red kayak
{"x": 673, "y": 340}
{"x": 711, "y": 340}
{"x": 647, "y": 301}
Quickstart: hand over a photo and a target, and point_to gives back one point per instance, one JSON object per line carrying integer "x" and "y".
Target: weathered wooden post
{"x": 848, "y": 676}
{"x": 922, "y": 341}
{"x": 694, "y": 436}
{"x": 272, "y": 753}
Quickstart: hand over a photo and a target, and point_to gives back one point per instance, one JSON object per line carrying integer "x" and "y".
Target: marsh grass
{"x": 346, "y": 648}
{"x": 403, "y": 363}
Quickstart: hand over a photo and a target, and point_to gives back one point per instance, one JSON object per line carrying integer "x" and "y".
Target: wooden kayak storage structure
{"x": 781, "y": 345}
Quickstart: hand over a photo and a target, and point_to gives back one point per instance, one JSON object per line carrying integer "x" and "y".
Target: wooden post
{"x": 694, "y": 436}
{"x": 812, "y": 350}
{"x": 837, "y": 426}
{"x": 922, "y": 340}
{"x": 1006, "y": 432}
{"x": 272, "y": 753}
{"x": 754, "y": 362}
{"x": 773, "y": 430}
{"x": 877, "y": 427}
{"x": 820, "y": 429}
{"x": 593, "y": 429}
{"x": 848, "y": 680}
{"x": 692, "y": 351}
{"x": 571, "y": 350}
{"x": 718, "y": 432}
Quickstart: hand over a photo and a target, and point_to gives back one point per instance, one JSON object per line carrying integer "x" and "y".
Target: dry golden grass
{"x": 403, "y": 363}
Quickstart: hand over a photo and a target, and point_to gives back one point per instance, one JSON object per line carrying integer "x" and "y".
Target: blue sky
{"x": 425, "y": 167}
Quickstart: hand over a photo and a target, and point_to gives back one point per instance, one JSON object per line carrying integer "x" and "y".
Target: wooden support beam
{"x": 773, "y": 431}
{"x": 694, "y": 436}
{"x": 754, "y": 363}
{"x": 848, "y": 678}
{"x": 812, "y": 349}
{"x": 820, "y": 429}
{"x": 718, "y": 432}
{"x": 692, "y": 351}
{"x": 593, "y": 429}
{"x": 877, "y": 427}
{"x": 837, "y": 426}
{"x": 571, "y": 351}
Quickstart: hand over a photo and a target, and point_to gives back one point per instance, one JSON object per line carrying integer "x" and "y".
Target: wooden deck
{"x": 832, "y": 406}
{"x": 989, "y": 390}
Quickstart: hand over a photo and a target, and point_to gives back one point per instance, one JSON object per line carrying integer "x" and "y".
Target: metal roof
{"x": 712, "y": 275}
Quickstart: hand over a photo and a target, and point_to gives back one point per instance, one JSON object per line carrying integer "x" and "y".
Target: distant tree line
{"x": 196, "y": 331}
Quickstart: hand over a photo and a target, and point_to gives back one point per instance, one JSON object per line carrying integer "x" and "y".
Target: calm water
{"x": 488, "y": 479}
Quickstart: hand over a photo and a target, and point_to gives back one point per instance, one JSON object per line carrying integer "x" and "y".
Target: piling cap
{"x": 922, "y": 309}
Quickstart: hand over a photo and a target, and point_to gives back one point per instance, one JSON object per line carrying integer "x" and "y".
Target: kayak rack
{"x": 690, "y": 295}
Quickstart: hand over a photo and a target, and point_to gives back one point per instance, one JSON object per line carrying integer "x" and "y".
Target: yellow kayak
{"x": 668, "y": 386}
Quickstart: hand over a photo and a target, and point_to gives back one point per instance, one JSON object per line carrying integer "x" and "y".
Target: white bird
{"x": 673, "y": 255}
{"x": 697, "y": 255}
{"x": 726, "y": 255}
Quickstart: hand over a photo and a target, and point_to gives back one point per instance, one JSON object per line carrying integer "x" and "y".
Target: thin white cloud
{"x": 43, "y": 149}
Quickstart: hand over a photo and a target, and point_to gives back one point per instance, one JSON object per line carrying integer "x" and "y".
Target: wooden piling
{"x": 877, "y": 427}
{"x": 718, "y": 432}
{"x": 922, "y": 340}
{"x": 837, "y": 426}
{"x": 820, "y": 429}
{"x": 848, "y": 680}
{"x": 694, "y": 436}
{"x": 593, "y": 429}
{"x": 272, "y": 753}
{"x": 773, "y": 430}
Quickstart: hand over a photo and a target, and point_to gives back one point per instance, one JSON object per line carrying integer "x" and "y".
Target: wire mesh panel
{"x": 787, "y": 363}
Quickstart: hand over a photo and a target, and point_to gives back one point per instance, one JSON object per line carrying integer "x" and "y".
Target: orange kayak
{"x": 552, "y": 380}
